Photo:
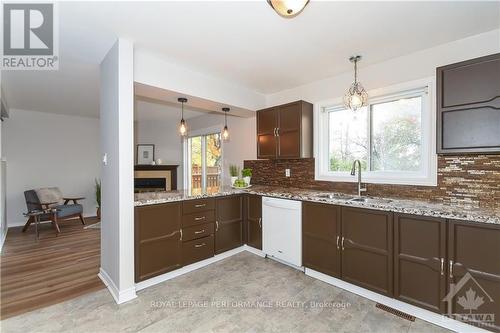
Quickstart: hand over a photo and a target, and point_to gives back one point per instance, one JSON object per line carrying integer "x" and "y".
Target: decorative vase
{"x": 233, "y": 179}
{"x": 247, "y": 180}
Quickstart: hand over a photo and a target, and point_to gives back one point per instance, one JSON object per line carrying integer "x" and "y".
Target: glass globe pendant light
{"x": 288, "y": 8}
{"x": 225, "y": 131}
{"x": 182, "y": 125}
{"x": 356, "y": 97}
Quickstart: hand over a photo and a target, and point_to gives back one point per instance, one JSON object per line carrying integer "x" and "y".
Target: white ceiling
{"x": 147, "y": 110}
{"x": 243, "y": 42}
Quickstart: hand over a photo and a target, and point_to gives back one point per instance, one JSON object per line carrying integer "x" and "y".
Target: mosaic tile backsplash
{"x": 468, "y": 180}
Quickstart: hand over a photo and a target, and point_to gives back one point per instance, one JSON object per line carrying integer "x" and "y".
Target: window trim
{"x": 429, "y": 175}
{"x": 186, "y": 152}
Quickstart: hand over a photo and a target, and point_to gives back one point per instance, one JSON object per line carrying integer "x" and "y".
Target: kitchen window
{"x": 392, "y": 137}
{"x": 203, "y": 163}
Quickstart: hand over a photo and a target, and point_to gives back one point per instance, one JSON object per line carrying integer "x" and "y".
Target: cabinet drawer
{"x": 196, "y": 232}
{"x": 197, "y": 250}
{"x": 193, "y": 206}
{"x": 198, "y": 218}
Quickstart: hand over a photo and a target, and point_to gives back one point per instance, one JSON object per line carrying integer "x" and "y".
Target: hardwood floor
{"x": 36, "y": 274}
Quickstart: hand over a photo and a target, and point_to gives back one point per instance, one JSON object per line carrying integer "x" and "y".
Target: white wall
{"x": 414, "y": 66}
{"x": 117, "y": 142}
{"x": 155, "y": 71}
{"x": 242, "y": 144}
{"x": 168, "y": 143}
{"x": 46, "y": 149}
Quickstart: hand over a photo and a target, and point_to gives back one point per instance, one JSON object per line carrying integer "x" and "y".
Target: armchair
{"x": 57, "y": 207}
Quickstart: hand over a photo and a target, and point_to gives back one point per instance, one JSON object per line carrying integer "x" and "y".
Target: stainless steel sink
{"x": 334, "y": 196}
{"x": 371, "y": 200}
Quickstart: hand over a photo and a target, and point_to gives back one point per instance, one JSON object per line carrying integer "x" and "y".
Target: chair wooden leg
{"x": 26, "y": 226}
{"x": 56, "y": 226}
{"x": 82, "y": 219}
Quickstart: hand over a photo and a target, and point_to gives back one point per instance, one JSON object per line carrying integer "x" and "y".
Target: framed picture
{"x": 145, "y": 154}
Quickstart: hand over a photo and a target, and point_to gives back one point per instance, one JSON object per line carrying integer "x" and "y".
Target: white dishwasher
{"x": 282, "y": 230}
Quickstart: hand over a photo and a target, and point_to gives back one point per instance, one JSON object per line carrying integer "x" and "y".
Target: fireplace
{"x": 155, "y": 178}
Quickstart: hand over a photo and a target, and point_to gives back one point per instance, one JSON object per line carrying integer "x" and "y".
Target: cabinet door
{"x": 267, "y": 122}
{"x": 321, "y": 238}
{"x": 289, "y": 123}
{"x": 367, "y": 255}
{"x": 229, "y": 223}
{"x": 254, "y": 220}
{"x": 419, "y": 261}
{"x": 157, "y": 240}
{"x": 468, "y": 106}
{"x": 474, "y": 271}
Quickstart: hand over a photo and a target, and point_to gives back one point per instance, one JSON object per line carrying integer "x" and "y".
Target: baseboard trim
{"x": 420, "y": 313}
{"x": 120, "y": 296}
{"x": 2, "y": 241}
{"x": 254, "y": 250}
{"x": 186, "y": 269}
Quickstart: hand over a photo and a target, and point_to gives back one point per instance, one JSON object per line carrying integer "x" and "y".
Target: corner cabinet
{"x": 468, "y": 106}
{"x": 253, "y": 219}
{"x": 229, "y": 223}
{"x": 285, "y": 131}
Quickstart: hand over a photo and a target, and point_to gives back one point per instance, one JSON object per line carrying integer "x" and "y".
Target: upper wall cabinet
{"x": 285, "y": 131}
{"x": 468, "y": 106}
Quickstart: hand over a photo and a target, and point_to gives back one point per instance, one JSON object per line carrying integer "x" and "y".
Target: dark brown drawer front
{"x": 196, "y": 232}
{"x": 194, "y": 206}
{"x": 197, "y": 250}
{"x": 198, "y": 218}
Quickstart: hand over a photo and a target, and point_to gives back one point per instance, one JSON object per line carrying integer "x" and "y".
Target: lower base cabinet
{"x": 366, "y": 245}
{"x": 253, "y": 220}
{"x": 420, "y": 261}
{"x": 474, "y": 273}
{"x": 228, "y": 223}
{"x": 157, "y": 240}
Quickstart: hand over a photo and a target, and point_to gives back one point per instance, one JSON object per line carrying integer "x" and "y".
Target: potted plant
{"x": 233, "y": 172}
{"x": 98, "y": 197}
{"x": 247, "y": 175}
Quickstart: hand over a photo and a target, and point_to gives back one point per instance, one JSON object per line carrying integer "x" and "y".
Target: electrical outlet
{"x": 287, "y": 172}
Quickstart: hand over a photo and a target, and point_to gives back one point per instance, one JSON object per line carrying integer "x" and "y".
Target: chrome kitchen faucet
{"x": 353, "y": 173}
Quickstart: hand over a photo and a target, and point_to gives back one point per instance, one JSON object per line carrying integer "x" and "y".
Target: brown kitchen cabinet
{"x": 367, "y": 249}
{"x": 157, "y": 240}
{"x": 420, "y": 261}
{"x": 474, "y": 267}
{"x": 285, "y": 131}
{"x": 253, "y": 211}
{"x": 229, "y": 223}
{"x": 468, "y": 106}
{"x": 321, "y": 234}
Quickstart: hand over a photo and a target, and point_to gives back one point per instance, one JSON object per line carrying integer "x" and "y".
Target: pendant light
{"x": 225, "y": 131}
{"x": 356, "y": 97}
{"x": 182, "y": 125}
{"x": 288, "y": 8}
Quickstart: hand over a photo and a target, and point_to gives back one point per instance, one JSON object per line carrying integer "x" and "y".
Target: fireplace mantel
{"x": 149, "y": 171}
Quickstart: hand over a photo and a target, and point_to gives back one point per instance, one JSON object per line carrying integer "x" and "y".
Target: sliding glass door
{"x": 204, "y": 159}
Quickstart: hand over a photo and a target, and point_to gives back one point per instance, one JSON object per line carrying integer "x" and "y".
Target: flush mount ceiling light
{"x": 182, "y": 125}
{"x": 356, "y": 97}
{"x": 288, "y": 8}
{"x": 225, "y": 131}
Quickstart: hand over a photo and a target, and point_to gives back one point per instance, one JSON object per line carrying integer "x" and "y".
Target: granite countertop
{"x": 416, "y": 207}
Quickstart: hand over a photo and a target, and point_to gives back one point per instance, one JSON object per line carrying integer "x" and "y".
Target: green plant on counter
{"x": 98, "y": 192}
{"x": 233, "y": 170}
{"x": 246, "y": 172}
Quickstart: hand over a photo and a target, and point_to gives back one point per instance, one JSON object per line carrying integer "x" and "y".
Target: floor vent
{"x": 395, "y": 312}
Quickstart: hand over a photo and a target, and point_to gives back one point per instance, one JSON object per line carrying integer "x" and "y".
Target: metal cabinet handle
{"x": 343, "y": 243}
{"x": 181, "y": 234}
{"x": 199, "y": 232}
{"x": 260, "y": 222}
{"x": 451, "y": 269}
{"x": 200, "y": 205}
{"x": 216, "y": 225}
{"x": 338, "y": 245}
{"x": 442, "y": 266}
{"x": 274, "y": 131}
{"x": 200, "y": 245}
{"x": 278, "y": 131}
{"x": 199, "y": 218}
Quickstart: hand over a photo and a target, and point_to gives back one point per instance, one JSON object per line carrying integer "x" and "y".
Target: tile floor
{"x": 244, "y": 293}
